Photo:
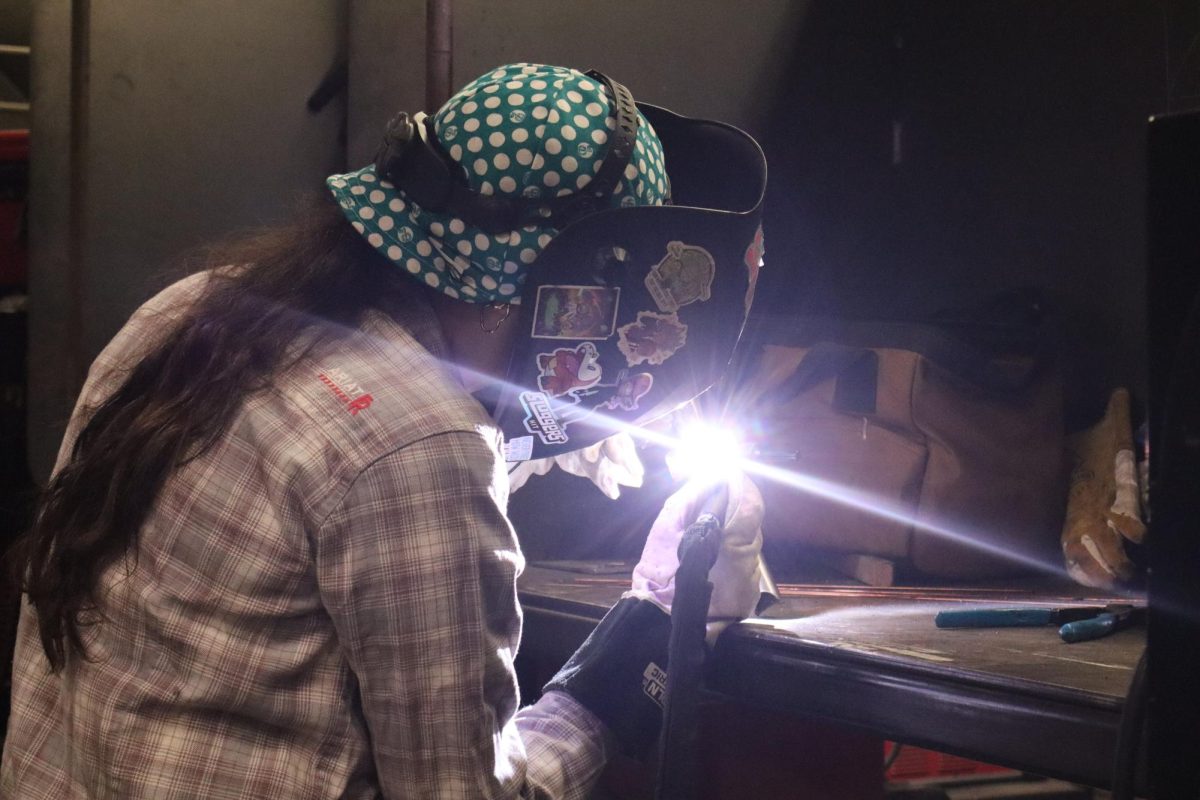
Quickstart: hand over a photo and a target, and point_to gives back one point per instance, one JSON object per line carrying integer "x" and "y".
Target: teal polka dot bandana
{"x": 526, "y": 130}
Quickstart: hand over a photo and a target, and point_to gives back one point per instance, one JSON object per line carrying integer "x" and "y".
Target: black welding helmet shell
{"x": 629, "y": 312}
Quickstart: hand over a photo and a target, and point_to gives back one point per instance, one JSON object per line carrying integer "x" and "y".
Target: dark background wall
{"x": 924, "y": 153}
{"x": 714, "y": 57}
{"x": 927, "y": 154}
{"x": 157, "y": 127}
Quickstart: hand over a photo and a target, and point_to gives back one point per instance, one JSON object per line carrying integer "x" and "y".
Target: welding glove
{"x": 609, "y": 464}
{"x": 619, "y": 673}
{"x": 1103, "y": 503}
{"x": 735, "y": 576}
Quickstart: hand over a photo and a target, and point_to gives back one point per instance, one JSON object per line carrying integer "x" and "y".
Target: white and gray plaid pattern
{"x": 322, "y": 606}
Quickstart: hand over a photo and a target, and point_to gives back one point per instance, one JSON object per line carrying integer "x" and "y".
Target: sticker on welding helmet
{"x": 754, "y": 262}
{"x": 575, "y": 312}
{"x": 519, "y": 448}
{"x": 540, "y": 419}
{"x": 629, "y": 390}
{"x": 569, "y": 370}
{"x": 652, "y": 339}
{"x": 684, "y": 276}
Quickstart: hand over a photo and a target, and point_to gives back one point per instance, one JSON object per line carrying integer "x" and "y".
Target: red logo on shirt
{"x": 346, "y": 390}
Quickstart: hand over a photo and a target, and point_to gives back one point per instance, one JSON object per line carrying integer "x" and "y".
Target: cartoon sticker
{"x": 575, "y": 312}
{"x": 652, "y": 338}
{"x": 540, "y": 419}
{"x": 630, "y": 389}
{"x": 754, "y": 261}
{"x": 684, "y": 276}
{"x": 569, "y": 370}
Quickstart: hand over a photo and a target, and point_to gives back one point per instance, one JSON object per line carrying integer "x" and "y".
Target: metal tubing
{"x": 439, "y": 45}
{"x": 81, "y": 17}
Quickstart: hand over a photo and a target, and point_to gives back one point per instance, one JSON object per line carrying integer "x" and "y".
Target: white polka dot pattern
{"x": 524, "y": 130}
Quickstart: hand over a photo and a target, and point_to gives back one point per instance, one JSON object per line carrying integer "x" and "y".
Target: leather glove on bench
{"x": 619, "y": 672}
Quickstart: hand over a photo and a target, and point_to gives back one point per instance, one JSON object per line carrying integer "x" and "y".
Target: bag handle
{"x": 855, "y": 368}
{"x": 969, "y": 361}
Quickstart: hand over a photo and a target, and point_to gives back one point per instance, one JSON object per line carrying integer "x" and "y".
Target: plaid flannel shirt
{"x": 322, "y": 606}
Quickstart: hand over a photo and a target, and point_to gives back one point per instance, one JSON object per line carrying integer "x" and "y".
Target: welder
{"x": 274, "y": 558}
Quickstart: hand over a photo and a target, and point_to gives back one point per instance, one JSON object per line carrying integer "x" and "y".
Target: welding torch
{"x": 679, "y": 755}
{"x": 707, "y": 448}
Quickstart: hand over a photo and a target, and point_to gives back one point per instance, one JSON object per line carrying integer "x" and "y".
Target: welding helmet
{"x": 631, "y": 311}
{"x": 627, "y": 308}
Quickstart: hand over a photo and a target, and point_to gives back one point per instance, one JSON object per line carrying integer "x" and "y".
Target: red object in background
{"x": 14, "y": 145}
{"x": 914, "y": 763}
{"x": 14, "y": 161}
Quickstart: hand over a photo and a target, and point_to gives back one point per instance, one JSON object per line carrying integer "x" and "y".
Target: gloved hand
{"x": 736, "y": 574}
{"x": 619, "y": 673}
{"x": 609, "y": 464}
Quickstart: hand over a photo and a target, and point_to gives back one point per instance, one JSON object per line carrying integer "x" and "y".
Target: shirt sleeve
{"x": 417, "y": 567}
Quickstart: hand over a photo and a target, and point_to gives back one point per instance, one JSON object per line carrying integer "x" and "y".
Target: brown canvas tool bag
{"x": 937, "y": 446}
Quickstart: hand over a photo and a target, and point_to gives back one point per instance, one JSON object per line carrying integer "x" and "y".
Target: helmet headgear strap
{"x": 413, "y": 160}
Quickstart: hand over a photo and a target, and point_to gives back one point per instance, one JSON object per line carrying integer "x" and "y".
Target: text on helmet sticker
{"x": 519, "y": 448}
{"x": 540, "y": 419}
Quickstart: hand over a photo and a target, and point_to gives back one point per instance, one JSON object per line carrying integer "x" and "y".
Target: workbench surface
{"x": 874, "y": 660}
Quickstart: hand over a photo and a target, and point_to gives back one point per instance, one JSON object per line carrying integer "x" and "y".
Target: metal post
{"x": 439, "y": 46}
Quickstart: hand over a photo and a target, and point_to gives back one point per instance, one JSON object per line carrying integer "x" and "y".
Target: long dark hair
{"x": 303, "y": 282}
